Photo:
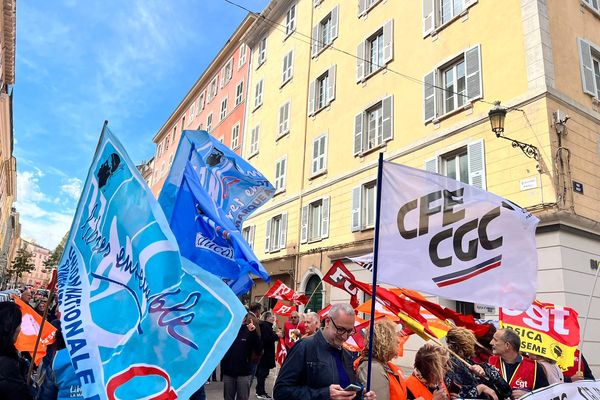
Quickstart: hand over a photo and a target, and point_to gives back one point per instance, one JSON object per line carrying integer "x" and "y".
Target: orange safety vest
{"x": 396, "y": 378}
{"x": 524, "y": 376}
{"x": 418, "y": 389}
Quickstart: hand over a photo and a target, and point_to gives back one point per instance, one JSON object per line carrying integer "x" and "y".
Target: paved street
{"x": 214, "y": 391}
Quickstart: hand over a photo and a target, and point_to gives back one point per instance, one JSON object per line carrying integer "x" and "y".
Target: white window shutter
{"x": 362, "y": 7}
{"x": 335, "y": 15}
{"x": 251, "y": 236}
{"x": 325, "y": 218}
{"x": 311, "y": 98}
{"x": 331, "y": 84}
{"x": 473, "y": 72}
{"x": 283, "y": 171}
{"x": 360, "y": 62}
{"x": 283, "y": 231}
{"x": 388, "y": 41}
{"x": 358, "y": 133}
{"x": 356, "y": 209}
{"x": 304, "y": 225}
{"x": 476, "y": 161}
{"x": 429, "y": 96}
{"x": 585, "y": 62}
{"x": 324, "y": 145}
{"x": 291, "y": 63}
{"x": 316, "y": 41}
{"x": 387, "y": 105}
{"x": 431, "y": 165}
{"x": 268, "y": 237}
{"x": 469, "y": 3}
{"x": 315, "y": 160}
{"x": 428, "y": 17}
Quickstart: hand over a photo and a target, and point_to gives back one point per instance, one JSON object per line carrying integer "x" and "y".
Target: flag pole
{"x": 39, "y": 336}
{"x": 585, "y": 320}
{"x": 375, "y": 259}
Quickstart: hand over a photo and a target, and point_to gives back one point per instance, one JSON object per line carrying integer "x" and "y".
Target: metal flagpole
{"x": 585, "y": 320}
{"x": 375, "y": 259}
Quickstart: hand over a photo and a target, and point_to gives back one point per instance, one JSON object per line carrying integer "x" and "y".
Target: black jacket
{"x": 237, "y": 359}
{"x": 268, "y": 338}
{"x": 309, "y": 369}
{"x": 13, "y": 385}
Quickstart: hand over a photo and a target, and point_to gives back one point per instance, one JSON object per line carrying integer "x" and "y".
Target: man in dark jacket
{"x": 318, "y": 367}
{"x": 237, "y": 366}
{"x": 267, "y": 361}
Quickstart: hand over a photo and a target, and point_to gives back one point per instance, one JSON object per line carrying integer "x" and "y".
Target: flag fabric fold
{"x": 30, "y": 328}
{"x": 454, "y": 240}
{"x": 281, "y": 291}
{"x": 139, "y": 320}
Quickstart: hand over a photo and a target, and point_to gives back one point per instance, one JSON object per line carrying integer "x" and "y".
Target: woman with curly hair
{"x": 474, "y": 381}
{"x": 427, "y": 379}
{"x": 13, "y": 369}
{"x": 387, "y": 379}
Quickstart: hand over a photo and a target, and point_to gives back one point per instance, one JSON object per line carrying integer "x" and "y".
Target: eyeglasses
{"x": 342, "y": 331}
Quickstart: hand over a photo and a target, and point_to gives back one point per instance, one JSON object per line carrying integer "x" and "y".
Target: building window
{"x": 227, "y": 72}
{"x": 376, "y": 52}
{"x": 242, "y": 56}
{"x": 223, "y": 108}
{"x": 262, "y": 51}
{"x": 437, "y": 13}
{"x": 322, "y": 91}
{"x": 212, "y": 89}
{"x": 314, "y": 291}
{"x": 201, "y": 102}
{"x": 364, "y": 6}
{"x": 288, "y": 62}
{"x": 290, "y": 20}
{"x": 315, "y": 221}
{"x": 325, "y": 32}
{"x": 363, "y": 206}
{"x": 254, "y": 136}
{"x": 319, "y": 158}
{"x": 589, "y": 63}
{"x": 248, "y": 235}
{"x": 373, "y": 127}
{"x": 239, "y": 90}
{"x": 276, "y": 236}
{"x": 182, "y": 126}
{"x": 209, "y": 122}
{"x": 459, "y": 82}
{"x": 258, "y": 94}
{"x": 465, "y": 164}
{"x": 284, "y": 120}
{"x": 235, "y": 136}
{"x": 280, "y": 169}
{"x": 192, "y": 111}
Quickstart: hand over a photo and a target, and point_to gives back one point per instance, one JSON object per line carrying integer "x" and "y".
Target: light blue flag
{"x": 208, "y": 194}
{"x": 139, "y": 320}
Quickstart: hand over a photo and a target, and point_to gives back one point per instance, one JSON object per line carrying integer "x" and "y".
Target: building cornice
{"x": 265, "y": 21}
{"x": 222, "y": 57}
{"x": 9, "y": 33}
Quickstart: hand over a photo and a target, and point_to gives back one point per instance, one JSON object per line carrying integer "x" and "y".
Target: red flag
{"x": 281, "y": 291}
{"x": 324, "y": 313}
{"x": 339, "y": 276}
{"x": 283, "y": 309}
{"x": 30, "y": 327}
{"x": 52, "y": 283}
{"x": 281, "y": 352}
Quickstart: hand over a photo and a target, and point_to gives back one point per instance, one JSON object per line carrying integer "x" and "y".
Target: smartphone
{"x": 353, "y": 388}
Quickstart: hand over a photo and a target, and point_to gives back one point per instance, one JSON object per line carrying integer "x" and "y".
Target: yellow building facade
{"x": 333, "y": 84}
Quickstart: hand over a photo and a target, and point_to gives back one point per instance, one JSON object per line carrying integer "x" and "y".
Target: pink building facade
{"x": 37, "y": 277}
{"x": 216, "y": 103}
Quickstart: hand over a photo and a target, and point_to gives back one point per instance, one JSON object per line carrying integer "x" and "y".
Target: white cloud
{"x": 28, "y": 187}
{"x": 72, "y": 188}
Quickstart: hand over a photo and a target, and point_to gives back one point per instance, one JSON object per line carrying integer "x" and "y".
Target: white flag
{"x": 454, "y": 240}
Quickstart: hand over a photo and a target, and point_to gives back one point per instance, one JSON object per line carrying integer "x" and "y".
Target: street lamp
{"x": 497, "y": 115}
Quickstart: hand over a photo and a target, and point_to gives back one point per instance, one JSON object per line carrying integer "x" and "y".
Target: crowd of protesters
{"x": 317, "y": 365}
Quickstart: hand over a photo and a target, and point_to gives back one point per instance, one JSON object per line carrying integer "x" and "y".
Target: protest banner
{"x": 281, "y": 291}
{"x": 31, "y": 322}
{"x": 584, "y": 390}
{"x": 283, "y": 310}
{"x": 546, "y": 330}
{"x": 454, "y": 240}
{"x": 135, "y": 320}
{"x": 213, "y": 190}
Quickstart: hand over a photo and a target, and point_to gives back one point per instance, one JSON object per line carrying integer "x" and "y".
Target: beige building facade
{"x": 38, "y": 277}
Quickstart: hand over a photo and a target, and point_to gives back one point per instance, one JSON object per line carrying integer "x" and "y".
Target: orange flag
{"x": 30, "y": 327}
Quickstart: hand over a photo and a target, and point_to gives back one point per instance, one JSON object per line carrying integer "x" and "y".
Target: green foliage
{"x": 23, "y": 263}
{"x": 52, "y": 261}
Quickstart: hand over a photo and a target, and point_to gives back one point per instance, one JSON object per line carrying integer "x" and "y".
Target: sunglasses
{"x": 342, "y": 331}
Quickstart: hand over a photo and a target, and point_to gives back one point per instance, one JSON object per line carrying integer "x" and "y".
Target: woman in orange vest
{"x": 427, "y": 379}
{"x": 387, "y": 379}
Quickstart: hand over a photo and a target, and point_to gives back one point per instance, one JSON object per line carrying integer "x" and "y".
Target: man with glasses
{"x": 522, "y": 374}
{"x": 318, "y": 367}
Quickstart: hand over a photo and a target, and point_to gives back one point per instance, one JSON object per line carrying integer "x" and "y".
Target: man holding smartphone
{"x": 319, "y": 367}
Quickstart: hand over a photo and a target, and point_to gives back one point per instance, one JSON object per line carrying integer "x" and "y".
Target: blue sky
{"x": 79, "y": 63}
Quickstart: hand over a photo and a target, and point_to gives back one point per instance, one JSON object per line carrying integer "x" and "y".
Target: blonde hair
{"x": 461, "y": 341}
{"x": 385, "y": 341}
{"x": 431, "y": 362}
